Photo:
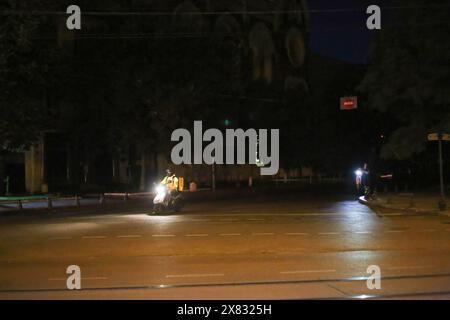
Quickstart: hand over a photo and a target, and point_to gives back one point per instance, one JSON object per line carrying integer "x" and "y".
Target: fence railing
{"x": 20, "y": 201}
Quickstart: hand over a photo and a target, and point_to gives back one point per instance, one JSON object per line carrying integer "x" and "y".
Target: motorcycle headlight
{"x": 160, "y": 189}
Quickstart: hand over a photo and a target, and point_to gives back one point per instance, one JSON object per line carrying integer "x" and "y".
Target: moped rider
{"x": 171, "y": 182}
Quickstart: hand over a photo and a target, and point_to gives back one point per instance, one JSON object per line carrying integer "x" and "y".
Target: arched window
{"x": 295, "y": 47}
{"x": 263, "y": 50}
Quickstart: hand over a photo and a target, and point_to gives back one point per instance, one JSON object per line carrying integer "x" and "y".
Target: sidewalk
{"x": 408, "y": 202}
{"x": 56, "y": 203}
{"x": 111, "y": 201}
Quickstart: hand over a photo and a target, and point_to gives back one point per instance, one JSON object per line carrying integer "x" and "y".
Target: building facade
{"x": 271, "y": 38}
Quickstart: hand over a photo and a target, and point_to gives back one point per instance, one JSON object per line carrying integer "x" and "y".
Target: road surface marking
{"x": 93, "y": 237}
{"x": 60, "y": 238}
{"x": 296, "y": 234}
{"x": 82, "y": 278}
{"x": 394, "y": 231}
{"x": 328, "y": 233}
{"x": 163, "y": 235}
{"x": 130, "y": 236}
{"x": 194, "y": 275}
{"x": 280, "y": 214}
{"x": 197, "y": 235}
{"x": 308, "y": 271}
{"x": 408, "y": 267}
{"x": 363, "y": 232}
{"x": 229, "y": 234}
{"x": 263, "y": 234}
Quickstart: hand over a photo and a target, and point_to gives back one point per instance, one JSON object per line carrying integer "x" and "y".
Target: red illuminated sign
{"x": 349, "y": 103}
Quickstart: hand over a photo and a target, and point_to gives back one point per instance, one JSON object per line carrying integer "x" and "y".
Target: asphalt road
{"x": 259, "y": 248}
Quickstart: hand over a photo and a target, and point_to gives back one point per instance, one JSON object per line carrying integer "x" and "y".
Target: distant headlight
{"x": 359, "y": 173}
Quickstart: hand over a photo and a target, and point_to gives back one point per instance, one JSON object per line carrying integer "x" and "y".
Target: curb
{"x": 370, "y": 204}
{"x": 137, "y": 201}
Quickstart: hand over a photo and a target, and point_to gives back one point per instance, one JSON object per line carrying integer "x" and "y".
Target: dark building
{"x": 268, "y": 39}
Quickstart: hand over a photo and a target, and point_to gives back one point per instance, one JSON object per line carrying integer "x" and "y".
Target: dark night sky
{"x": 341, "y": 35}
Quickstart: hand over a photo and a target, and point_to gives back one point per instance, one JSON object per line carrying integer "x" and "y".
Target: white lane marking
{"x": 229, "y": 234}
{"x": 328, "y": 233}
{"x": 263, "y": 234}
{"x": 60, "y": 238}
{"x": 394, "y": 231}
{"x": 278, "y": 214}
{"x": 130, "y": 236}
{"x": 197, "y": 235}
{"x": 363, "y": 232}
{"x": 163, "y": 235}
{"x": 308, "y": 271}
{"x": 93, "y": 237}
{"x": 408, "y": 267}
{"x": 296, "y": 234}
{"x": 82, "y": 278}
{"x": 194, "y": 275}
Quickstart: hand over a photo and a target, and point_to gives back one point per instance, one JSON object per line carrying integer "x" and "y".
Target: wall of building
{"x": 273, "y": 55}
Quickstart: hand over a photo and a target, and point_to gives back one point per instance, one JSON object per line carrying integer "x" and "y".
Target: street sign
{"x": 349, "y": 103}
{"x": 437, "y": 137}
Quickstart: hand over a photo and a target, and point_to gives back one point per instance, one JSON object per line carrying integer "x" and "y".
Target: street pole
{"x": 442, "y": 202}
